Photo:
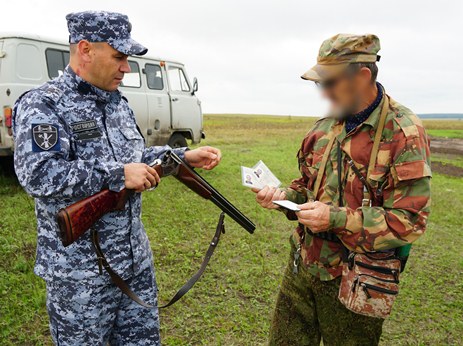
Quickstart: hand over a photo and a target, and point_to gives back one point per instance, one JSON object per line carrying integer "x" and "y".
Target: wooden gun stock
{"x": 76, "y": 219}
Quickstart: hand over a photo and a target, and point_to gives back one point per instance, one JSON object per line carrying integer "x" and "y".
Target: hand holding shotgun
{"x": 77, "y": 218}
{"x": 141, "y": 177}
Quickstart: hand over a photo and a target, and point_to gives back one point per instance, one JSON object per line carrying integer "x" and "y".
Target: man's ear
{"x": 365, "y": 74}
{"x": 85, "y": 50}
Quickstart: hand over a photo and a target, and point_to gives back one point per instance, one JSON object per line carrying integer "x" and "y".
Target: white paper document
{"x": 287, "y": 205}
{"x": 258, "y": 176}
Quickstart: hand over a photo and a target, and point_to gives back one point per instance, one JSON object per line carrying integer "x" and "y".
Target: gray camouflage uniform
{"x": 72, "y": 140}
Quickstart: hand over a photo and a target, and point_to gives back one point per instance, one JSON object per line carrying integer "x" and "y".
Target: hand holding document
{"x": 288, "y": 205}
{"x": 258, "y": 176}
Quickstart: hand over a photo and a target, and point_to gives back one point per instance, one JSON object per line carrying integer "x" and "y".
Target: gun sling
{"x": 124, "y": 287}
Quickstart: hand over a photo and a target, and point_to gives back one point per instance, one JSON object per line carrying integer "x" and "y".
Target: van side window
{"x": 57, "y": 60}
{"x": 132, "y": 79}
{"x": 25, "y": 53}
{"x": 154, "y": 77}
{"x": 177, "y": 79}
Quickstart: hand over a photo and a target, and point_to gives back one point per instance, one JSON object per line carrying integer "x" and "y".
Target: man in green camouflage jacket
{"x": 308, "y": 309}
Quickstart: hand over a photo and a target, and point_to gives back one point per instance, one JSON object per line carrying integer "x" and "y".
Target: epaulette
{"x": 407, "y": 121}
{"x": 52, "y": 92}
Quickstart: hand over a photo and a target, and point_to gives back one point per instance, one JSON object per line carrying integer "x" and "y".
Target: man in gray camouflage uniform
{"x": 75, "y": 136}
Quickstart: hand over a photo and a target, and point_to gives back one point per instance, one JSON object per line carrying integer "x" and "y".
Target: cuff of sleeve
{"x": 294, "y": 196}
{"x": 290, "y": 215}
{"x": 181, "y": 152}
{"x": 116, "y": 181}
{"x": 338, "y": 219}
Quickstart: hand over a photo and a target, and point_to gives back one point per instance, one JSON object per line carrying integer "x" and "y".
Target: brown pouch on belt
{"x": 370, "y": 283}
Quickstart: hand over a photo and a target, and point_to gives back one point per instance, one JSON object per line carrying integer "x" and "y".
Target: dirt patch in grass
{"x": 452, "y": 147}
{"x": 447, "y": 145}
{"x": 447, "y": 169}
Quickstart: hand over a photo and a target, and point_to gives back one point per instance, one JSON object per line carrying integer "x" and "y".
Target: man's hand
{"x": 315, "y": 215}
{"x": 267, "y": 195}
{"x": 140, "y": 177}
{"x": 203, "y": 157}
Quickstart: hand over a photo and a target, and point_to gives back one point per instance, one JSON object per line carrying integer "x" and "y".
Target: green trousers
{"x": 308, "y": 311}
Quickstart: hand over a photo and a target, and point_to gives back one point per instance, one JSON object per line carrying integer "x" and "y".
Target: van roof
{"x": 35, "y": 37}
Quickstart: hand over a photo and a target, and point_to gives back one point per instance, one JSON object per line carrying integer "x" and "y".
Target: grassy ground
{"x": 446, "y": 133}
{"x": 232, "y": 304}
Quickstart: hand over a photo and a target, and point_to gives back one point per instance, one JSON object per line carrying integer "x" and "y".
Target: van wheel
{"x": 177, "y": 141}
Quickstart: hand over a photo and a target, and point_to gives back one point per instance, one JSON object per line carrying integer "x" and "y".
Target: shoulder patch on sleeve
{"x": 45, "y": 137}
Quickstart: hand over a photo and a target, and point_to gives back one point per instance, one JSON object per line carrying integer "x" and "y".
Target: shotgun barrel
{"x": 188, "y": 176}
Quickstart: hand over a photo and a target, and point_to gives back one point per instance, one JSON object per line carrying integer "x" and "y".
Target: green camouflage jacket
{"x": 402, "y": 172}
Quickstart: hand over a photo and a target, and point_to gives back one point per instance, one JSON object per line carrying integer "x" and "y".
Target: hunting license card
{"x": 258, "y": 176}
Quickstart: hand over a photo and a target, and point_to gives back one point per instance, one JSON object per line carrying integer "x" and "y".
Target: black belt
{"x": 330, "y": 236}
{"x": 122, "y": 285}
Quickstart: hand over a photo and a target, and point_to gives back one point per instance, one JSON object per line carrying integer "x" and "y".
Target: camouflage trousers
{"x": 95, "y": 312}
{"x": 308, "y": 311}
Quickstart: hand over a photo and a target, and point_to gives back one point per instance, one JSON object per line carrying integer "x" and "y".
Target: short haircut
{"x": 355, "y": 67}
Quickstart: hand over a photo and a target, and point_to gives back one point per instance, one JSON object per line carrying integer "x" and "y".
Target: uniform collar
{"x": 372, "y": 120}
{"x": 359, "y": 118}
{"x": 90, "y": 91}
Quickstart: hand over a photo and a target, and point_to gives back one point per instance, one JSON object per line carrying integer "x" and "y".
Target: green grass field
{"x": 446, "y": 133}
{"x": 233, "y": 303}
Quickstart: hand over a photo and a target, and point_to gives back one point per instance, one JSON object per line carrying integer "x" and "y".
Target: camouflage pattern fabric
{"x": 95, "y": 312}
{"x": 366, "y": 290}
{"x": 343, "y": 48}
{"x": 101, "y": 26}
{"x": 308, "y": 311}
{"x": 72, "y": 140}
{"x": 402, "y": 172}
{"x": 337, "y": 52}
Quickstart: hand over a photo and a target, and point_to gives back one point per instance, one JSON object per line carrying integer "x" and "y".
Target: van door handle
{"x": 174, "y": 99}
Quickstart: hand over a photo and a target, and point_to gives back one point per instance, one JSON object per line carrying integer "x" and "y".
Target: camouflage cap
{"x": 101, "y": 26}
{"x": 337, "y": 52}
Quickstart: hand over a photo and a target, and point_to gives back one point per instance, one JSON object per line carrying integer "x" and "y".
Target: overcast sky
{"x": 249, "y": 55}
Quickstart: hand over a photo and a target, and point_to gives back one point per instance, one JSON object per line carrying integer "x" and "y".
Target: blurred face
{"x": 103, "y": 66}
{"x": 345, "y": 92}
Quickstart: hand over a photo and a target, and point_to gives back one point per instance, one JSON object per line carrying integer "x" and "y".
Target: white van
{"x": 159, "y": 91}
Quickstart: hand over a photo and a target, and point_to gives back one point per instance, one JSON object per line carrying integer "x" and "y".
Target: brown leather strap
{"x": 116, "y": 279}
{"x": 190, "y": 283}
{"x": 124, "y": 287}
{"x": 378, "y": 134}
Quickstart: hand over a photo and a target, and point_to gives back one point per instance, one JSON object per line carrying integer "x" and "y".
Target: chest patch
{"x": 85, "y": 129}
{"x": 45, "y": 137}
